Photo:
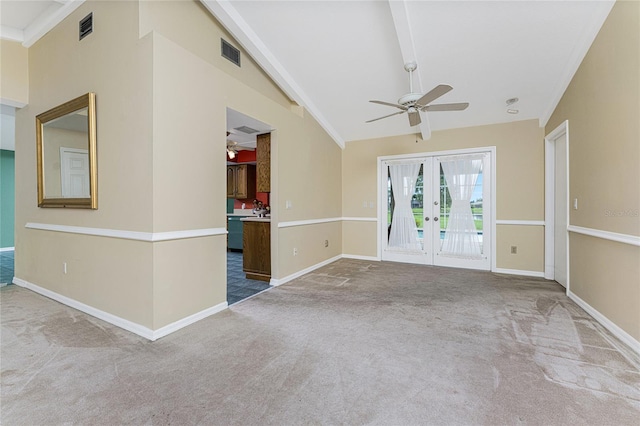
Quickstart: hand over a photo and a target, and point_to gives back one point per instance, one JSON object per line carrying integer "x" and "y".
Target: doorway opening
{"x": 7, "y": 192}
{"x": 243, "y": 189}
{"x": 437, "y": 208}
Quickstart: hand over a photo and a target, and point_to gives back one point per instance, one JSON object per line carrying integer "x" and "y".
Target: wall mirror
{"x": 66, "y": 149}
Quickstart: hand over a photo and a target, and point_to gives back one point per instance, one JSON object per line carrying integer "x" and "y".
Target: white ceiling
{"x": 27, "y": 21}
{"x": 240, "y": 127}
{"x": 332, "y": 57}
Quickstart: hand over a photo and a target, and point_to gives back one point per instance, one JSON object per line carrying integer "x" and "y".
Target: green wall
{"x": 7, "y": 197}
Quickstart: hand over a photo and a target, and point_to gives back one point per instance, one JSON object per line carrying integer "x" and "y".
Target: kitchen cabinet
{"x": 241, "y": 181}
{"x": 263, "y": 162}
{"x": 234, "y": 236}
{"x": 257, "y": 249}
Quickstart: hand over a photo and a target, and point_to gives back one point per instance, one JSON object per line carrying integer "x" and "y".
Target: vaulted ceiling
{"x": 332, "y": 57}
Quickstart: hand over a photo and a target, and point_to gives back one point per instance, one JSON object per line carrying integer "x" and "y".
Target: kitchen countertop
{"x": 241, "y": 212}
{"x": 256, "y": 219}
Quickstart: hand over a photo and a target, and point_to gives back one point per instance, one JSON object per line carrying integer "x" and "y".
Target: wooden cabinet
{"x": 241, "y": 181}
{"x": 256, "y": 238}
{"x": 263, "y": 162}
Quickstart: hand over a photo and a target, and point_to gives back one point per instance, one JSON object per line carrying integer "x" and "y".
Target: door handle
{"x": 435, "y": 219}
{"x": 435, "y": 203}
{"x": 426, "y": 219}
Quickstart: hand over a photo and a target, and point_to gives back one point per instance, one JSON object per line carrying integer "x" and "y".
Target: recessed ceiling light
{"x": 513, "y": 111}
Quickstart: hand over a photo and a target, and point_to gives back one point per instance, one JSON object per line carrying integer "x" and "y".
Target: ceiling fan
{"x": 232, "y": 147}
{"x": 413, "y": 103}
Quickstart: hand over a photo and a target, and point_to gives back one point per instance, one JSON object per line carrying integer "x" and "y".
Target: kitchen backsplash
{"x": 260, "y": 196}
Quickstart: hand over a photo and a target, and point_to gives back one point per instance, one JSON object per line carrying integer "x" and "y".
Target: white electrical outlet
{"x": 64, "y": 267}
{"x": 575, "y": 204}
{"x": 370, "y": 204}
{"x": 287, "y": 204}
{"x": 364, "y": 204}
{"x": 295, "y": 251}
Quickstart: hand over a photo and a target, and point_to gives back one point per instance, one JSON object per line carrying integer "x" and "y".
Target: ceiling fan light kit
{"x": 413, "y": 103}
{"x": 232, "y": 151}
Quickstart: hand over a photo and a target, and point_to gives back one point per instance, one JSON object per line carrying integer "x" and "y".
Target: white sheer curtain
{"x": 404, "y": 233}
{"x": 461, "y": 237}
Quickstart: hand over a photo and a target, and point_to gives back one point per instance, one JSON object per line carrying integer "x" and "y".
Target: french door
{"x": 438, "y": 210}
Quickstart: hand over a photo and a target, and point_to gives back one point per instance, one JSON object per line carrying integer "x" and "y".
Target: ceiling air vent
{"x": 230, "y": 52}
{"x": 245, "y": 129}
{"x": 86, "y": 26}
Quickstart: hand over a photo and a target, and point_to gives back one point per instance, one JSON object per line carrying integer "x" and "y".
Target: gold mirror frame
{"x": 87, "y": 102}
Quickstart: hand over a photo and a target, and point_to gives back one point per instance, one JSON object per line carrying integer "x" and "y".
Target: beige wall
{"x": 113, "y": 275}
{"x": 529, "y": 241}
{"x": 305, "y": 160}
{"x": 309, "y": 242}
{"x": 116, "y": 65}
{"x": 605, "y": 274}
{"x": 602, "y": 105}
{"x": 14, "y": 73}
{"x": 161, "y": 120}
{"x": 109, "y": 274}
{"x": 190, "y": 25}
{"x": 519, "y": 184}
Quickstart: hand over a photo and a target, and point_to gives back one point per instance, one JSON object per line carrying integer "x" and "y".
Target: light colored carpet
{"x": 352, "y": 343}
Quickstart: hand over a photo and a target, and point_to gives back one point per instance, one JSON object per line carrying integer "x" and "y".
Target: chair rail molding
{"x": 606, "y": 235}
{"x": 129, "y": 235}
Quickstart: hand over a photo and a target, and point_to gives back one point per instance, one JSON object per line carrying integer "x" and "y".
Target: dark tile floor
{"x": 238, "y": 287}
{"x": 6, "y": 267}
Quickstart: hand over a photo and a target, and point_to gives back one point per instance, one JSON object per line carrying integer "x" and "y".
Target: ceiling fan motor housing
{"x": 409, "y": 99}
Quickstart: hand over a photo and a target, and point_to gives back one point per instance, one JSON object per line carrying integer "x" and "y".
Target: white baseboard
{"x": 7, "y": 249}
{"x": 358, "y": 257}
{"x": 175, "y": 326}
{"x": 121, "y": 322}
{"x": 519, "y": 272}
{"x": 277, "y": 282}
{"x": 625, "y": 337}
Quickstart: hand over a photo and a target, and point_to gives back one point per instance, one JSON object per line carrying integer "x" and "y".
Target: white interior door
{"x": 437, "y": 209}
{"x": 560, "y": 210}
{"x": 74, "y": 172}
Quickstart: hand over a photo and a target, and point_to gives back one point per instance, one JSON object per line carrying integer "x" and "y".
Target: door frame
{"x": 382, "y": 203}
{"x": 549, "y": 201}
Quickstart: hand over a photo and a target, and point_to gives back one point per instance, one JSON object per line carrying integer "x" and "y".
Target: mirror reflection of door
{"x": 74, "y": 172}
{"x": 66, "y": 154}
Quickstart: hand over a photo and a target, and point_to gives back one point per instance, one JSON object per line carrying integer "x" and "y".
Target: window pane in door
{"x": 417, "y": 206}
{"x": 477, "y": 208}
{"x": 390, "y": 204}
{"x": 461, "y": 207}
{"x": 407, "y": 233}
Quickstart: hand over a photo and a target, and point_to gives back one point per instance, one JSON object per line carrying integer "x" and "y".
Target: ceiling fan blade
{"x": 390, "y": 104}
{"x": 414, "y": 118}
{"x": 434, "y": 94}
{"x": 447, "y": 107}
{"x": 390, "y": 115}
{"x": 425, "y": 128}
